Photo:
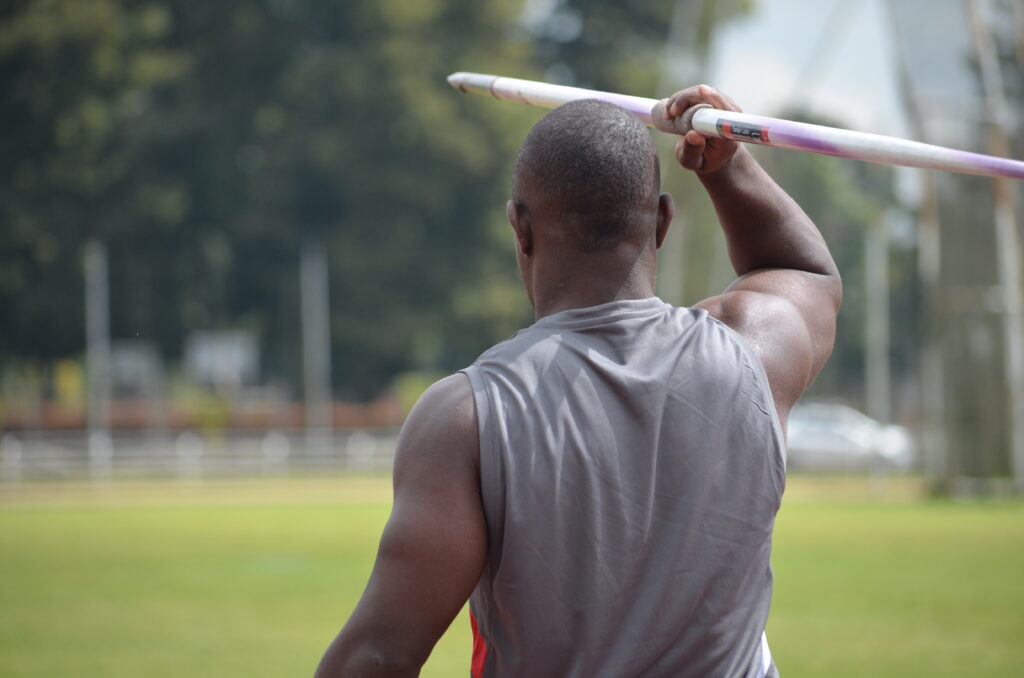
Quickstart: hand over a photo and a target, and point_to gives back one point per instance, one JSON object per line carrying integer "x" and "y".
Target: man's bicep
{"x": 433, "y": 548}
{"x": 789, "y": 318}
{"x": 430, "y": 558}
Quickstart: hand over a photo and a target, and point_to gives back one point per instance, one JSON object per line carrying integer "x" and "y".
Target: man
{"x": 603, "y": 485}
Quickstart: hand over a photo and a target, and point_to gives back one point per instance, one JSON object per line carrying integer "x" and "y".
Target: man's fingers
{"x": 690, "y": 150}
{"x": 719, "y": 100}
{"x": 733, "y": 106}
{"x": 681, "y": 100}
{"x": 694, "y": 151}
{"x": 699, "y": 94}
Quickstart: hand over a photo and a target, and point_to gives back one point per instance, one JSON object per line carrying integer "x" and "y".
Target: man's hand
{"x": 694, "y": 151}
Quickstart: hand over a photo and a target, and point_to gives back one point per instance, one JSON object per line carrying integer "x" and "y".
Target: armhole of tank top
{"x": 761, "y": 378}
{"x": 486, "y": 434}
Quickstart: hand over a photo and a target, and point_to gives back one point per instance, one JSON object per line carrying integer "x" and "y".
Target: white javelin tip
{"x": 477, "y": 83}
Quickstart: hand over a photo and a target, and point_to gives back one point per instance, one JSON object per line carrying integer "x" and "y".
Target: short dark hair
{"x": 595, "y": 165}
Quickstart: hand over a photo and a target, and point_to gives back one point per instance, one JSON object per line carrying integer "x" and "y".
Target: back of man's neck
{"x": 589, "y": 279}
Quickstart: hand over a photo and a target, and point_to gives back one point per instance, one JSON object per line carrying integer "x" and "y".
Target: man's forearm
{"x": 763, "y": 226}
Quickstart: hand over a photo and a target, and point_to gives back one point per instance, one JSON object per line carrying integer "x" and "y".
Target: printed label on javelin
{"x": 739, "y": 131}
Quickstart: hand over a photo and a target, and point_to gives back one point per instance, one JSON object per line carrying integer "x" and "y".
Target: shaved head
{"x": 591, "y": 170}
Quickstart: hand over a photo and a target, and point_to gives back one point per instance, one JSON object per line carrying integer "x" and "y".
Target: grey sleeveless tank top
{"x": 631, "y": 468}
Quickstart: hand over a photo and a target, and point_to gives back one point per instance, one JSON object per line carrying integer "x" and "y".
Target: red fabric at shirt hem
{"x": 476, "y": 668}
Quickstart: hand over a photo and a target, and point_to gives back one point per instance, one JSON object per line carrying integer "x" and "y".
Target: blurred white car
{"x": 833, "y": 437}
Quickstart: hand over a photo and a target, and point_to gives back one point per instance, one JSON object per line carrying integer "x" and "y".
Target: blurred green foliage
{"x": 204, "y": 142}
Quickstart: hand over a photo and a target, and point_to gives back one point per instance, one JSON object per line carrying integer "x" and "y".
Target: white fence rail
{"x": 39, "y": 455}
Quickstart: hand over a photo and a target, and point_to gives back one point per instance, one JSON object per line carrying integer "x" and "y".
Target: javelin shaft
{"x": 545, "y": 94}
{"x": 754, "y": 128}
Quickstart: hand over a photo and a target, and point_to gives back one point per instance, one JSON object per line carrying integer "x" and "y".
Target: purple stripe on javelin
{"x": 803, "y": 137}
{"x": 786, "y": 132}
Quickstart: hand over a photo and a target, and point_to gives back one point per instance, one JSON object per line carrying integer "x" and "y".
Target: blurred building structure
{"x": 963, "y": 86}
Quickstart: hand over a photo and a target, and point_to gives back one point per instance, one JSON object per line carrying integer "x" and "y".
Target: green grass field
{"x": 253, "y": 578}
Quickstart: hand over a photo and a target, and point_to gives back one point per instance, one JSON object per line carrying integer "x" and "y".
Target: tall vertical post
{"x": 929, "y": 264}
{"x": 933, "y": 365}
{"x": 672, "y": 257}
{"x": 97, "y": 343}
{"x": 1018, "y": 32}
{"x": 316, "y": 346}
{"x": 876, "y": 273}
{"x": 683, "y": 61}
{"x": 1007, "y": 238}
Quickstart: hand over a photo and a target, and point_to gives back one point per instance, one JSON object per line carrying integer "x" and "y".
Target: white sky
{"x": 768, "y": 62}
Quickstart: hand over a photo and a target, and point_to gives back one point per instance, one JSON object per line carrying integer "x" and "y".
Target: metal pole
{"x": 316, "y": 346}
{"x": 1007, "y": 238}
{"x": 1018, "y": 32}
{"x": 97, "y": 342}
{"x": 929, "y": 262}
{"x": 933, "y": 364}
{"x": 672, "y": 258}
{"x": 876, "y": 272}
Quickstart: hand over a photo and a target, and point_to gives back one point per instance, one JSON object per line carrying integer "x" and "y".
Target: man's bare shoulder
{"x": 788, "y": 318}
{"x": 441, "y": 424}
{"x": 453, "y": 391}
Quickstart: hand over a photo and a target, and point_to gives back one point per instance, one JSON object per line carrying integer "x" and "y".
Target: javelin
{"x": 748, "y": 128}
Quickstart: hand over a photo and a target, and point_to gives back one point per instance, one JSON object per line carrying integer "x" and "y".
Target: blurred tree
{"x": 609, "y": 44}
{"x": 970, "y": 428}
{"x": 78, "y": 79}
{"x": 204, "y": 141}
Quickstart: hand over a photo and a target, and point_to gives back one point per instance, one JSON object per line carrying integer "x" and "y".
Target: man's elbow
{"x": 834, "y": 283}
{"x": 367, "y": 660}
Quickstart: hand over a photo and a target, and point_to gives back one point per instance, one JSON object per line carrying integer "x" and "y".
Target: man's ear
{"x": 519, "y": 217}
{"x": 666, "y": 210}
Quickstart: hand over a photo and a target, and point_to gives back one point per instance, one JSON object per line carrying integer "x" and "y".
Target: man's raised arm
{"x": 788, "y": 292}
